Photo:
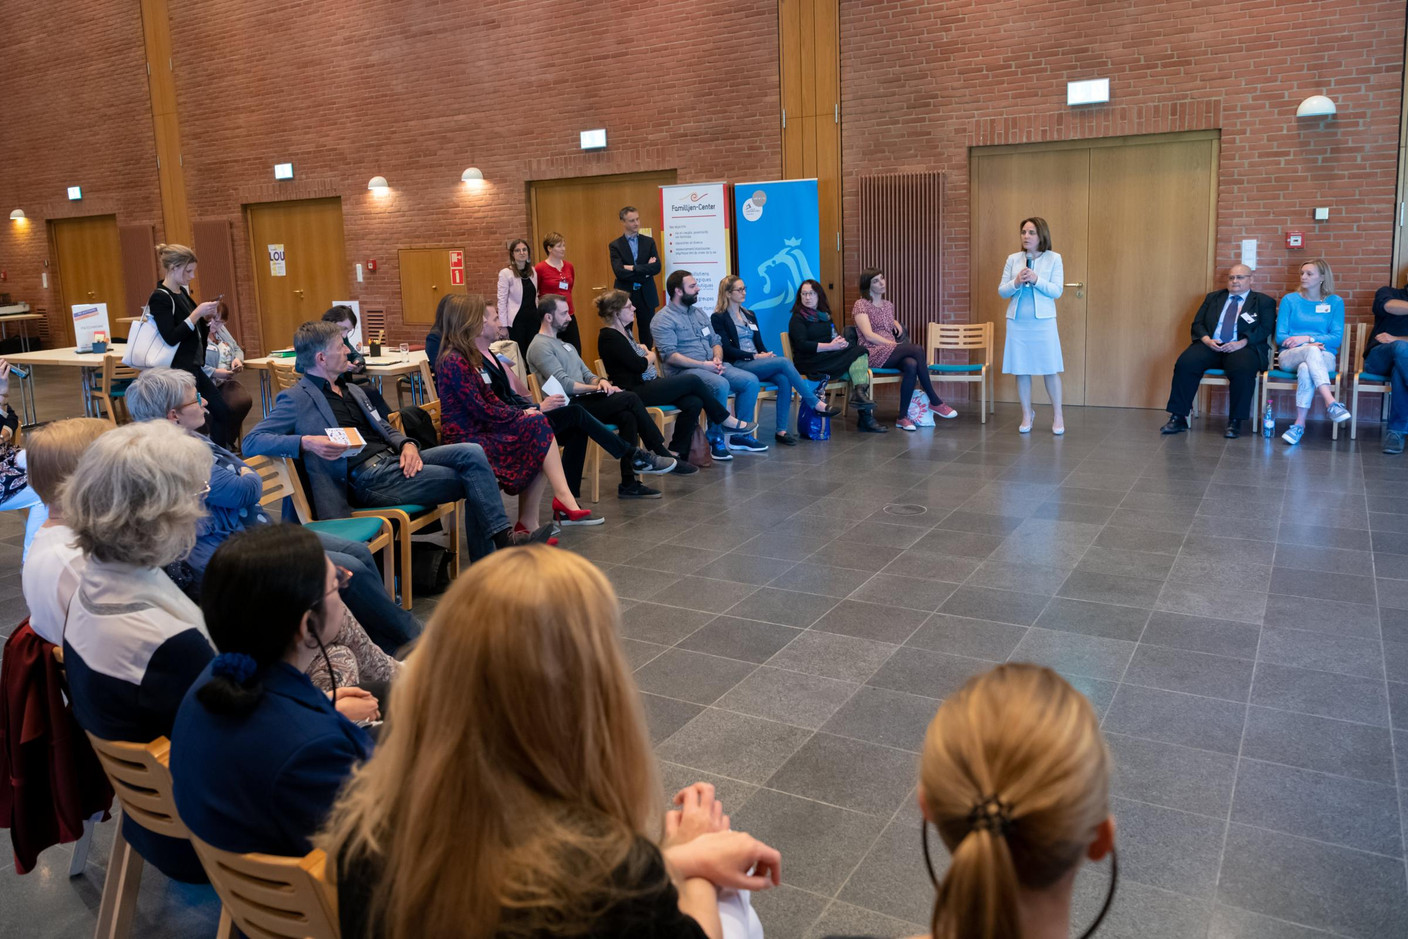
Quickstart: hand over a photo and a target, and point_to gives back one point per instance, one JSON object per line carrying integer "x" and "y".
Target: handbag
{"x": 919, "y": 411}
{"x": 812, "y": 425}
{"x": 699, "y": 453}
{"x": 145, "y": 347}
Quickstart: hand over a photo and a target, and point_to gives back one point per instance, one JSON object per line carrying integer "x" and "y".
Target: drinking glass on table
{"x": 405, "y": 348}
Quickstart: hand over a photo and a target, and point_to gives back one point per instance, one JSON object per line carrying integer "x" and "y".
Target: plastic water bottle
{"x": 1268, "y": 423}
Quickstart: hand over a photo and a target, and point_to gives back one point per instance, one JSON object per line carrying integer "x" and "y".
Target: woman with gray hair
{"x": 133, "y": 642}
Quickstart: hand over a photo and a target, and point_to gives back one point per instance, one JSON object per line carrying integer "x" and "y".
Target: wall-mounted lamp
{"x": 17, "y": 215}
{"x": 472, "y": 176}
{"x": 379, "y": 186}
{"x": 75, "y": 193}
{"x": 1316, "y": 106}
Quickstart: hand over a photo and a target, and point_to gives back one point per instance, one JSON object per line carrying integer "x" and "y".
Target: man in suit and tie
{"x": 1230, "y": 332}
{"x": 636, "y": 261}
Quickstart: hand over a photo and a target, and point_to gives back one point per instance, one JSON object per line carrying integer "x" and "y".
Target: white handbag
{"x": 145, "y": 347}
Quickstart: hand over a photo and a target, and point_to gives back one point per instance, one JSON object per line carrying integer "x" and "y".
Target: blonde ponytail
{"x": 1015, "y": 777}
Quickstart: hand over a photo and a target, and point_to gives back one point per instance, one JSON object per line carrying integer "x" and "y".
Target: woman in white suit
{"x": 1032, "y": 279}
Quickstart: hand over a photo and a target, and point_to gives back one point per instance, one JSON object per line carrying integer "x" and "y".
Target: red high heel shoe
{"x": 519, "y": 526}
{"x": 562, "y": 515}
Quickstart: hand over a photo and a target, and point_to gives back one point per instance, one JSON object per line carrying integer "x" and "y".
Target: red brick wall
{"x": 922, "y": 82}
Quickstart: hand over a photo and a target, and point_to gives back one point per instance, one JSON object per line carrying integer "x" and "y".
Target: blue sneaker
{"x": 718, "y": 449}
{"x": 1338, "y": 413}
{"x": 746, "y": 442}
{"x": 1293, "y": 434}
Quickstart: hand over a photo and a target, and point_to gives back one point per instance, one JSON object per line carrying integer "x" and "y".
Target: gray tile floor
{"x": 1237, "y": 611}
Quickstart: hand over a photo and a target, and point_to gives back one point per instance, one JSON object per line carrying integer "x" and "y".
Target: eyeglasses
{"x": 344, "y": 580}
{"x": 204, "y": 490}
{"x": 191, "y": 404}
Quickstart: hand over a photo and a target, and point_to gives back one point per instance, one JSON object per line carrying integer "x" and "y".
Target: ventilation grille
{"x": 901, "y": 220}
{"x": 373, "y": 322}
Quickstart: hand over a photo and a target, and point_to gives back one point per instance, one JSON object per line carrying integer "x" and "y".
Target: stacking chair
{"x": 967, "y": 338}
{"x": 281, "y": 482}
{"x": 270, "y": 897}
{"x": 1365, "y": 382}
{"x": 1217, "y": 378}
{"x": 1279, "y": 379}
{"x": 837, "y": 385}
{"x": 407, "y": 519}
{"x": 594, "y": 451}
{"x": 663, "y": 415}
{"x": 282, "y": 375}
{"x": 140, "y": 777}
{"x": 111, "y": 394}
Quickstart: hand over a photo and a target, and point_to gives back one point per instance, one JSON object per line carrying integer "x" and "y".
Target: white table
{"x": 378, "y": 367}
{"x": 85, "y": 362}
{"x": 18, "y": 313}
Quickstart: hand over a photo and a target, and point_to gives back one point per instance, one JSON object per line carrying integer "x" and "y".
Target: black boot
{"x": 866, "y": 422}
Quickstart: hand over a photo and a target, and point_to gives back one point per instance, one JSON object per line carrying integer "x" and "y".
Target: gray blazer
{"x": 302, "y": 411}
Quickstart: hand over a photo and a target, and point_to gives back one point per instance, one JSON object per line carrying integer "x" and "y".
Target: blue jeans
{"x": 742, "y": 384}
{"x": 451, "y": 471}
{"x": 780, "y": 370}
{"x": 1391, "y": 359}
{"x": 389, "y": 626}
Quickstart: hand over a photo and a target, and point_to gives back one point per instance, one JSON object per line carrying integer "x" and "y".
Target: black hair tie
{"x": 991, "y": 814}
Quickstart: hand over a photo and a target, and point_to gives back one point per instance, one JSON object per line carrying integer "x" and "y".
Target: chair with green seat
{"x": 1279, "y": 379}
{"x": 280, "y": 479}
{"x": 1367, "y": 383}
{"x": 594, "y": 450}
{"x": 967, "y": 338}
{"x": 111, "y": 394}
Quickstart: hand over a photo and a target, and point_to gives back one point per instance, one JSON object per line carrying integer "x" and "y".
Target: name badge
{"x": 704, "y": 331}
{"x": 484, "y": 374}
{"x": 1247, "y": 317}
{"x": 563, "y": 285}
{"x": 1322, "y": 308}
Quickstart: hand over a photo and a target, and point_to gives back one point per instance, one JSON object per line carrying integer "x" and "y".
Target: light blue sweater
{"x": 1297, "y": 317}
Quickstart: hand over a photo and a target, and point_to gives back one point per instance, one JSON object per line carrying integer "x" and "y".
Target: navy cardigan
{"x": 728, "y": 335}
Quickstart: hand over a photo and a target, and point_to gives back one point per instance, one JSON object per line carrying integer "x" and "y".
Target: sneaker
{"x": 718, "y": 449}
{"x": 1293, "y": 434}
{"x": 1338, "y": 413}
{"x": 1393, "y": 441}
{"x": 652, "y": 464}
{"x": 636, "y": 490}
{"x": 905, "y": 423}
{"x": 684, "y": 468}
{"x": 944, "y": 411}
{"x": 746, "y": 442}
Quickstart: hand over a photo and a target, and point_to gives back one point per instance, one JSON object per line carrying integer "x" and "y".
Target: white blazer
{"x": 511, "y": 294}
{"x": 1050, "y": 281}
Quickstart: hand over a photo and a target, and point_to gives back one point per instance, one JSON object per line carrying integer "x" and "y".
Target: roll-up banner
{"x": 696, "y": 234}
{"x": 779, "y": 246}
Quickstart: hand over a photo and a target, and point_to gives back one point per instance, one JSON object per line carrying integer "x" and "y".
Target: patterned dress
{"x": 882, "y": 323}
{"x": 515, "y": 442}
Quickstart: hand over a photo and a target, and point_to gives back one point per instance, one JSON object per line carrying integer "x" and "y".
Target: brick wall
{"x": 416, "y": 91}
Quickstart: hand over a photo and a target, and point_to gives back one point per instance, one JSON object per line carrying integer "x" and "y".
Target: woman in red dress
{"x": 519, "y": 445}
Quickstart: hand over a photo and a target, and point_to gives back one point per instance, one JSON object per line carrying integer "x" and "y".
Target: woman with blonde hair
{"x": 1016, "y": 778}
{"x": 519, "y": 445}
{"x": 186, "y": 325}
{"x": 1309, "y": 331}
{"x": 513, "y": 791}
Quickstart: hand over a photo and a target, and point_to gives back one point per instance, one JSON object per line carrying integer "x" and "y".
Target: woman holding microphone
{"x": 186, "y": 325}
{"x": 1032, "y": 279}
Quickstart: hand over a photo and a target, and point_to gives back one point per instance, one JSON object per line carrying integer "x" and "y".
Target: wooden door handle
{"x": 433, "y": 288}
{"x": 300, "y": 294}
{"x": 1081, "y": 284}
{"x": 90, "y": 295}
{"x": 599, "y": 288}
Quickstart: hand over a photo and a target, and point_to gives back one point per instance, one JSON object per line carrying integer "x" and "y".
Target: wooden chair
{"x": 427, "y": 384}
{"x": 270, "y": 897}
{"x": 592, "y": 469}
{"x": 281, "y": 482}
{"x": 1217, "y": 378}
{"x": 838, "y": 386}
{"x": 1279, "y": 379}
{"x": 111, "y": 394}
{"x": 663, "y": 415}
{"x": 282, "y": 375}
{"x": 142, "y": 781}
{"x": 1365, "y": 382}
{"x": 967, "y": 338}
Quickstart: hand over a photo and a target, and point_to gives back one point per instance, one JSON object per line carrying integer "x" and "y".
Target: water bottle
{"x": 1268, "y": 423}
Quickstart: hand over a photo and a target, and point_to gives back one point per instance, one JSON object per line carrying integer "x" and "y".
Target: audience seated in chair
{"x": 15, "y": 492}
{"x": 54, "y": 564}
{"x": 258, "y": 753}
{"x": 1309, "y": 332}
{"x": 134, "y": 643}
{"x": 887, "y": 347}
{"x": 232, "y": 504}
{"x": 821, "y": 353}
{"x": 390, "y": 469}
{"x": 1387, "y": 355}
{"x": 1230, "y": 332}
{"x": 513, "y": 789}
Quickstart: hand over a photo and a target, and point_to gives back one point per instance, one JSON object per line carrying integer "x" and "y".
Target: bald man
{"x": 1231, "y": 332}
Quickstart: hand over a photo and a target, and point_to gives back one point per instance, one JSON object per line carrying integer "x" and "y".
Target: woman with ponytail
{"x": 1016, "y": 779}
{"x": 258, "y": 754}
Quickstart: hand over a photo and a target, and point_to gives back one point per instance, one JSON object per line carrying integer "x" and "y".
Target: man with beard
{"x": 685, "y": 340}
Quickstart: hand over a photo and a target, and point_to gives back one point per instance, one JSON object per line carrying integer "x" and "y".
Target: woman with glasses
{"x": 743, "y": 347}
{"x": 258, "y": 753}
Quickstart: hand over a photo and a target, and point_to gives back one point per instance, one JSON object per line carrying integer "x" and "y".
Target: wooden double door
{"x": 585, "y": 211}
{"x": 310, "y": 272}
{"x": 1134, "y": 220}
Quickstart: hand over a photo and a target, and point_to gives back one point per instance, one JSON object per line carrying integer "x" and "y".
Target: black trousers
{"x": 573, "y": 427}
{"x": 643, "y": 317}
{"x": 687, "y": 392}
{"x": 219, "y": 420}
{"x": 1241, "y": 367}
{"x": 625, "y": 410}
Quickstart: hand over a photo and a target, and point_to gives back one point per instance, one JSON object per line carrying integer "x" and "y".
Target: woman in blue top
{"x": 1309, "y": 330}
{"x": 258, "y": 754}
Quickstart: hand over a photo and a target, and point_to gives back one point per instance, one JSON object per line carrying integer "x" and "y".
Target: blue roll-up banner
{"x": 777, "y": 228}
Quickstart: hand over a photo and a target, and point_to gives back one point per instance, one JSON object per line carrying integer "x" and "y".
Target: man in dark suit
{"x": 1230, "y": 332}
{"x": 636, "y": 261}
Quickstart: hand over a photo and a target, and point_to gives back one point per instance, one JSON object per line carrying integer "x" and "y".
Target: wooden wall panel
{"x": 214, "y": 243}
{"x": 139, "y": 269}
{"x": 901, "y": 232}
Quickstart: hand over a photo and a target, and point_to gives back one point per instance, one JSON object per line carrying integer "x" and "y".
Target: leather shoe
{"x": 1175, "y": 425}
{"x": 1234, "y": 429}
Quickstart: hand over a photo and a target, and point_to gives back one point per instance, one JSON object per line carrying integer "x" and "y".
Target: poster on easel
{"x": 695, "y": 234}
{"x": 778, "y": 230}
{"x": 89, "y": 318}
